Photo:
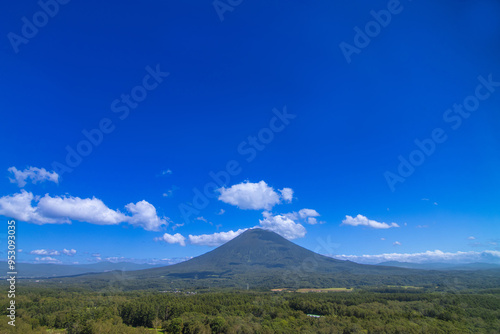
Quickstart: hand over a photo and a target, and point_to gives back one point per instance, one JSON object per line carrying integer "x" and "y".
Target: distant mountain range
{"x": 441, "y": 266}
{"x": 43, "y": 270}
{"x": 262, "y": 259}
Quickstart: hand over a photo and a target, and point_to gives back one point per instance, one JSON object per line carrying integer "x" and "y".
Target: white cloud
{"x": 18, "y": 206}
{"x": 144, "y": 215}
{"x": 203, "y": 219}
{"x": 426, "y": 257}
{"x": 254, "y": 196}
{"x": 62, "y": 210}
{"x": 304, "y": 213}
{"x": 69, "y": 252}
{"x": 221, "y": 212}
{"x": 50, "y": 252}
{"x": 215, "y": 239}
{"x": 173, "y": 239}
{"x": 47, "y": 259}
{"x": 361, "y": 220}
{"x": 166, "y": 172}
{"x": 471, "y": 238}
{"x": 177, "y": 226}
{"x": 283, "y": 225}
{"x": 35, "y": 174}
{"x": 382, "y": 239}
{"x": 96, "y": 255}
{"x": 396, "y": 243}
{"x": 115, "y": 259}
{"x": 287, "y": 194}
{"x": 311, "y": 221}
{"x": 91, "y": 210}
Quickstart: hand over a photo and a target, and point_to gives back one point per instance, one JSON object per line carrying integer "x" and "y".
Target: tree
{"x": 156, "y": 323}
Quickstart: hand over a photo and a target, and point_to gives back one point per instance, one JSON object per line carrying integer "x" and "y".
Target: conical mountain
{"x": 263, "y": 259}
{"x": 254, "y": 249}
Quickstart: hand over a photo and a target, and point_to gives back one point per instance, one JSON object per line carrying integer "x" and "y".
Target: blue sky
{"x": 381, "y": 118}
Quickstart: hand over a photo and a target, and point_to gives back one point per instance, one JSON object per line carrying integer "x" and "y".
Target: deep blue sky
{"x": 352, "y": 120}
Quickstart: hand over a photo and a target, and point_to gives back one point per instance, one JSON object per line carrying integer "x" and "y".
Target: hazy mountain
{"x": 44, "y": 270}
{"x": 260, "y": 258}
{"x": 442, "y": 266}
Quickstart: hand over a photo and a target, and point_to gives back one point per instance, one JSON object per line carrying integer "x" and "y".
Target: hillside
{"x": 46, "y": 270}
{"x": 264, "y": 259}
{"x": 441, "y": 266}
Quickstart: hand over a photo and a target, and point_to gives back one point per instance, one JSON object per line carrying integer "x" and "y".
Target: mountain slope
{"x": 264, "y": 259}
{"x": 45, "y": 270}
{"x": 441, "y": 266}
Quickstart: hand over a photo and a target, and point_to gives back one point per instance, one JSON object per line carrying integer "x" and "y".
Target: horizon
{"x": 160, "y": 131}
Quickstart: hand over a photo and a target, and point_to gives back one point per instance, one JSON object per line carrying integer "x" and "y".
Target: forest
{"x": 77, "y": 310}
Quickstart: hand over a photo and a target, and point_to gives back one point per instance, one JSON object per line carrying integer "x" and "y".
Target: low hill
{"x": 46, "y": 270}
{"x": 441, "y": 266}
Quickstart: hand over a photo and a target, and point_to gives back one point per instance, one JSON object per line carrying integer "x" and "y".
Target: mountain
{"x": 442, "y": 266}
{"x": 262, "y": 259}
{"x": 45, "y": 270}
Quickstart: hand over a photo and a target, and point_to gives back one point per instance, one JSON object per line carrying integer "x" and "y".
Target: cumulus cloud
{"x": 283, "y": 225}
{"x": 361, "y": 220}
{"x": 426, "y": 257}
{"x": 221, "y": 212}
{"x": 254, "y": 196}
{"x": 50, "y": 252}
{"x": 214, "y": 239}
{"x": 304, "y": 213}
{"x": 32, "y": 173}
{"x": 287, "y": 194}
{"x": 47, "y": 259}
{"x": 18, "y": 206}
{"x": 173, "y": 239}
{"x": 305, "y": 216}
{"x": 471, "y": 238}
{"x": 91, "y": 210}
{"x": 64, "y": 209}
{"x": 396, "y": 243}
{"x": 144, "y": 215}
{"x": 69, "y": 252}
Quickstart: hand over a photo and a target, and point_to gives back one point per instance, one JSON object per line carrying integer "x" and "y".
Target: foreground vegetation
{"x": 374, "y": 310}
